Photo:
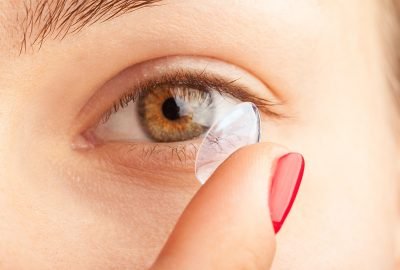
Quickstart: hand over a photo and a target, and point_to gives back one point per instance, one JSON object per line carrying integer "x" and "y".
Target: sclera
{"x": 238, "y": 128}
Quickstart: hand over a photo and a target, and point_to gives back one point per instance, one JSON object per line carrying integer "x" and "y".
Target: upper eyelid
{"x": 202, "y": 81}
{"x": 231, "y": 79}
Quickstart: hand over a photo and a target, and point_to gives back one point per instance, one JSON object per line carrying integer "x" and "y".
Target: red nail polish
{"x": 284, "y": 186}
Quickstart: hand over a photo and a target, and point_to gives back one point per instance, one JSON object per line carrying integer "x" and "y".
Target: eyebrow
{"x": 55, "y": 19}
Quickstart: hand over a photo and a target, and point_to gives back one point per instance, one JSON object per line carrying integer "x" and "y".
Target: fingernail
{"x": 284, "y": 186}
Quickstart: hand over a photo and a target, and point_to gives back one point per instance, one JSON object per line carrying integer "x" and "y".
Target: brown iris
{"x": 167, "y": 113}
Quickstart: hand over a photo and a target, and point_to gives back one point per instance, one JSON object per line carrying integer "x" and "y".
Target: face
{"x": 97, "y": 164}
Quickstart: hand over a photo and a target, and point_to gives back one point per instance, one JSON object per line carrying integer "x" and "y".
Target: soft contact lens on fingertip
{"x": 238, "y": 128}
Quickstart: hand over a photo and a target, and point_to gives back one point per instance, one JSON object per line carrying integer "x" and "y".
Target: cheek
{"x": 59, "y": 209}
{"x": 89, "y": 217}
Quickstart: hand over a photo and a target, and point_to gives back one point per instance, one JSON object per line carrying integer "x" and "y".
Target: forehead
{"x": 29, "y": 23}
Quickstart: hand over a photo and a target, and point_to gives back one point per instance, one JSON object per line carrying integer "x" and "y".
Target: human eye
{"x": 177, "y": 106}
{"x": 159, "y": 110}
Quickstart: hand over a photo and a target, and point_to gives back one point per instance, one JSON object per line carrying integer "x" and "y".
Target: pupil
{"x": 170, "y": 109}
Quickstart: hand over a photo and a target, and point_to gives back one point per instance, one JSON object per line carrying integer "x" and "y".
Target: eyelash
{"x": 178, "y": 155}
{"x": 201, "y": 81}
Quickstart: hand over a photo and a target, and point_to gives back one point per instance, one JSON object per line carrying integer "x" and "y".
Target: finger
{"x": 227, "y": 225}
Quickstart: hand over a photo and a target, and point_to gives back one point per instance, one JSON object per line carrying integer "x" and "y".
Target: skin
{"x": 202, "y": 240}
{"x": 324, "y": 60}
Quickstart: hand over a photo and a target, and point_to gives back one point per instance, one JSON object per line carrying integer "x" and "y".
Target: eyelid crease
{"x": 201, "y": 81}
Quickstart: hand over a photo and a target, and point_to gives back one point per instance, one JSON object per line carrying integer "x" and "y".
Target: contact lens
{"x": 238, "y": 128}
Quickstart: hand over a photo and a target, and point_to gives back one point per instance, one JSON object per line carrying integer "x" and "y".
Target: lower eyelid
{"x": 160, "y": 158}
